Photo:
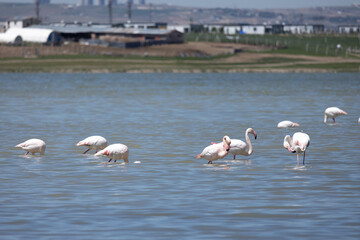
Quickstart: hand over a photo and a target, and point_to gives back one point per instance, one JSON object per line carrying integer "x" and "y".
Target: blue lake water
{"x": 166, "y": 120}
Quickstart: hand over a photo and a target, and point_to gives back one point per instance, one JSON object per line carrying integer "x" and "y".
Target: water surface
{"x": 166, "y": 120}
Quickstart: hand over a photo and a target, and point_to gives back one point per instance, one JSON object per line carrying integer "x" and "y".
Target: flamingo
{"x": 333, "y": 112}
{"x": 115, "y": 151}
{"x": 287, "y": 124}
{"x": 216, "y": 151}
{"x": 93, "y": 142}
{"x": 297, "y": 144}
{"x": 238, "y": 147}
{"x": 33, "y": 145}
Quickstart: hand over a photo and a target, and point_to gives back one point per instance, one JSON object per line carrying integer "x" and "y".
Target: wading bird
{"x": 93, "y": 142}
{"x": 333, "y": 112}
{"x": 115, "y": 152}
{"x": 298, "y": 144}
{"x": 287, "y": 124}
{"x": 239, "y": 147}
{"x": 216, "y": 151}
{"x": 33, "y": 146}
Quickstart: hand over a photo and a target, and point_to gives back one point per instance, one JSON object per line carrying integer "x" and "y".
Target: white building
{"x": 21, "y": 22}
{"x": 349, "y": 29}
{"x": 298, "y": 29}
{"x": 232, "y": 29}
{"x": 36, "y": 35}
{"x": 253, "y": 29}
{"x": 179, "y": 28}
{"x": 146, "y": 25}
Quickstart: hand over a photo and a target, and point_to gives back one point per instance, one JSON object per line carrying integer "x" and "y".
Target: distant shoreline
{"x": 214, "y": 57}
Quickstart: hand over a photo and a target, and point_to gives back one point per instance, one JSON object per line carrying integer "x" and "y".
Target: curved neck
{"x": 248, "y": 143}
{"x": 325, "y": 118}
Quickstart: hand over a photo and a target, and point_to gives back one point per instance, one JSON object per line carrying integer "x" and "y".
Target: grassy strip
{"x": 306, "y": 44}
{"x": 89, "y": 63}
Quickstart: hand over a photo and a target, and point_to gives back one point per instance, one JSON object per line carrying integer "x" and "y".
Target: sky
{"x": 258, "y": 4}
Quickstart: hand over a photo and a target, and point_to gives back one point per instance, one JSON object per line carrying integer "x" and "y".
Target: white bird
{"x": 239, "y": 147}
{"x": 333, "y": 112}
{"x": 216, "y": 151}
{"x": 287, "y": 124}
{"x": 93, "y": 142}
{"x": 115, "y": 152}
{"x": 33, "y": 146}
{"x": 297, "y": 144}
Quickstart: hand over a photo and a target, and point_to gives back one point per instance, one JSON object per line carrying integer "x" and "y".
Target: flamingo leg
{"x": 210, "y": 162}
{"x": 110, "y": 160}
{"x": 297, "y": 155}
{"x": 234, "y": 157}
{"x": 27, "y": 153}
{"x": 304, "y": 159}
{"x": 86, "y": 151}
{"x": 333, "y": 120}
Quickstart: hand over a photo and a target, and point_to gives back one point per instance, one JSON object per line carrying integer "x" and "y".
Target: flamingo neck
{"x": 325, "y": 118}
{"x": 248, "y": 143}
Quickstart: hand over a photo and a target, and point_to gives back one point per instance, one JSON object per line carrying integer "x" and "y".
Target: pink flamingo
{"x": 239, "y": 147}
{"x": 33, "y": 145}
{"x": 333, "y": 112}
{"x": 216, "y": 151}
{"x": 287, "y": 124}
{"x": 93, "y": 142}
{"x": 297, "y": 144}
{"x": 115, "y": 151}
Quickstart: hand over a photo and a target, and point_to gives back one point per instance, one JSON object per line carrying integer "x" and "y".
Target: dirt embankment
{"x": 191, "y": 49}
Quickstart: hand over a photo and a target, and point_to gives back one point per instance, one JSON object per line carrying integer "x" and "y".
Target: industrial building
{"x": 17, "y": 36}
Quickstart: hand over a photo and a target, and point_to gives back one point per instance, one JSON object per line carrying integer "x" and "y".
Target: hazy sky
{"x": 262, "y": 4}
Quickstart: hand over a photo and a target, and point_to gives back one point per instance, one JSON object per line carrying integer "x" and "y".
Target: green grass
{"x": 89, "y": 63}
{"x": 317, "y": 45}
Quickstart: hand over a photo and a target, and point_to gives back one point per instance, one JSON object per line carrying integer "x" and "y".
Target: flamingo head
{"x": 252, "y": 131}
{"x": 226, "y": 143}
{"x": 295, "y": 125}
{"x": 287, "y": 144}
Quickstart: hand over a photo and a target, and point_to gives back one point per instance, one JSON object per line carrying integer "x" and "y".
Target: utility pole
{"x": 110, "y": 12}
{"x": 129, "y": 3}
{"x": 37, "y": 10}
{"x": 150, "y": 12}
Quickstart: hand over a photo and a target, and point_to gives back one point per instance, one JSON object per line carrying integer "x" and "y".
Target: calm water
{"x": 166, "y": 120}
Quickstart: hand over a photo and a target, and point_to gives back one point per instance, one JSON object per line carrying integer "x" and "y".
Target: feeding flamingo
{"x": 33, "y": 146}
{"x": 115, "y": 152}
{"x": 298, "y": 144}
{"x": 93, "y": 142}
{"x": 287, "y": 124}
{"x": 216, "y": 151}
{"x": 333, "y": 112}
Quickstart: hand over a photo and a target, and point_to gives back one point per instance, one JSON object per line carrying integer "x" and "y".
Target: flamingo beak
{"x": 227, "y": 148}
{"x": 291, "y": 150}
{"x": 255, "y": 135}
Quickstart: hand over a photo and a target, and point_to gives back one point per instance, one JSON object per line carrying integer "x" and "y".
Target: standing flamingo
{"x": 287, "y": 124}
{"x": 33, "y": 145}
{"x": 216, "y": 151}
{"x": 238, "y": 147}
{"x": 115, "y": 151}
{"x": 93, "y": 142}
{"x": 297, "y": 144}
{"x": 333, "y": 112}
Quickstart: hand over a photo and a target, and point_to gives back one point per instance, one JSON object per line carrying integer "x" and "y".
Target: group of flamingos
{"x": 298, "y": 143}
